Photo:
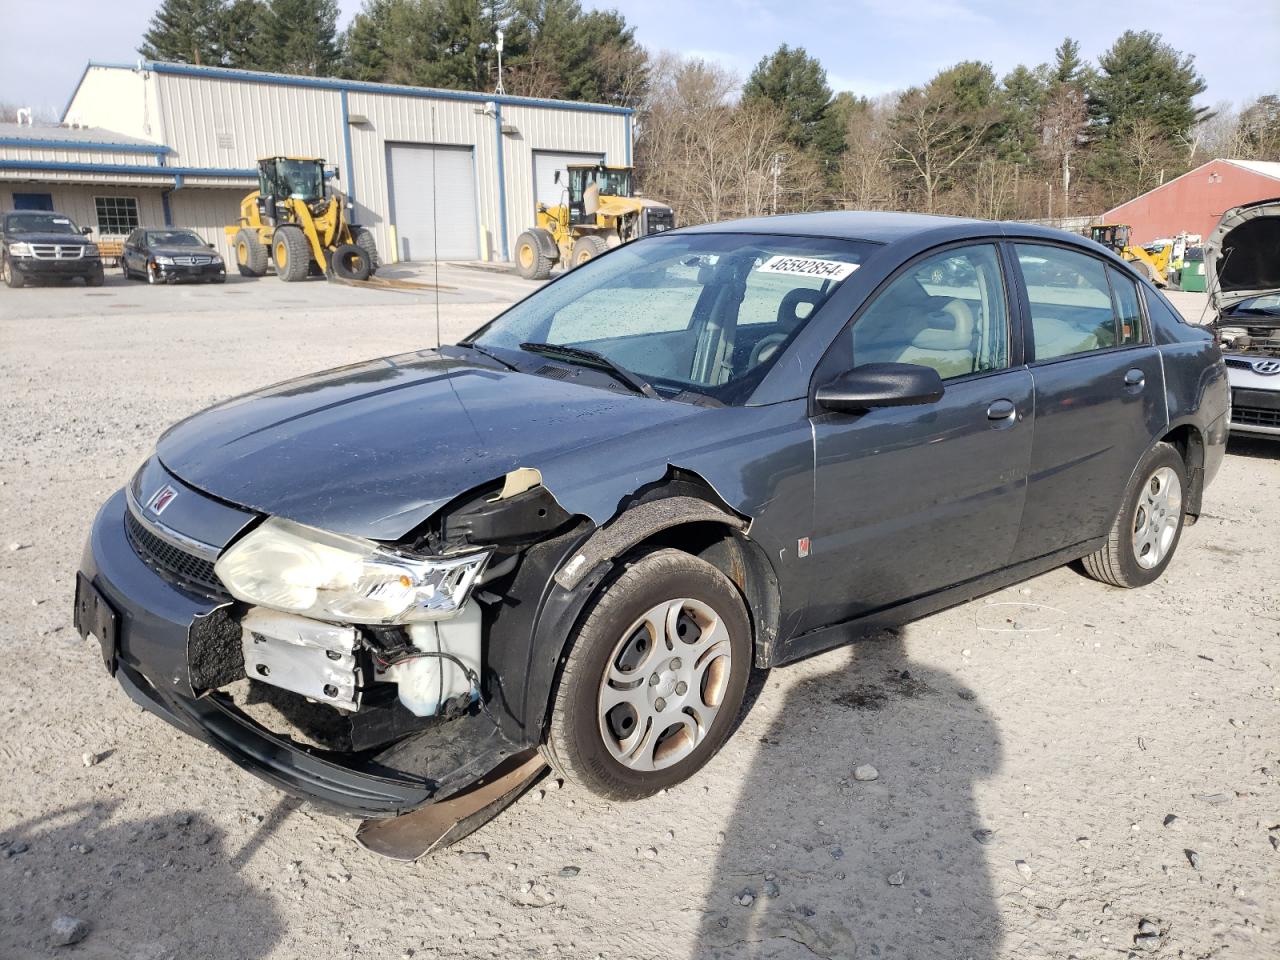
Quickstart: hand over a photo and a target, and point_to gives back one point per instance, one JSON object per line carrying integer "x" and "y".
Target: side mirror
{"x": 86, "y": 230}
{"x": 881, "y": 385}
{"x": 556, "y": 179}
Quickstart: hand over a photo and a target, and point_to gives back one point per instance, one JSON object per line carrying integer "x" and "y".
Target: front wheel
{"x": 12, "y": 278}
{"x": 1146, "y": 532}
{"x": 653, "y": 680}
{"x": 291, "y": 253}
{"x": 587, "y": 248}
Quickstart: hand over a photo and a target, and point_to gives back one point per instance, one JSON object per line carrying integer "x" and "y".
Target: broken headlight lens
{"x": 298, "y": 569}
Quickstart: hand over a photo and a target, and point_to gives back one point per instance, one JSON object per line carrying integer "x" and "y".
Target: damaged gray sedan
{"x": 574, "y": 534}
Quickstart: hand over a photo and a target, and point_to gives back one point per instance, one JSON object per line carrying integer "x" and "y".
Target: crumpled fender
{"x": 635, "y": 525}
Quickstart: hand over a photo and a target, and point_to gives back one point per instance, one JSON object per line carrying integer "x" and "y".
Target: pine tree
{"x": 796, "y": 84}
{"x": 186, "y": 31}
{"x": 296, "y": 36}
{"x": 1144, "y": 79}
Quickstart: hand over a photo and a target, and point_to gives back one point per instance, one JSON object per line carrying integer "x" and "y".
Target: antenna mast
{"x": 499, "y": 91}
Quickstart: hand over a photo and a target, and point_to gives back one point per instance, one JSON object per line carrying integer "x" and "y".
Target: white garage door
{"x": 545, "y": 165}
{"x": 414, "y": 191}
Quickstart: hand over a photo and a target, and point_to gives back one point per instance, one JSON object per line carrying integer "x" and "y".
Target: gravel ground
{"x": 1051, "y": 771}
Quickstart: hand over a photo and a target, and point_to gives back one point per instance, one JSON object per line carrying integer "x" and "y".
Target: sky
{"x": 869, "y": 47}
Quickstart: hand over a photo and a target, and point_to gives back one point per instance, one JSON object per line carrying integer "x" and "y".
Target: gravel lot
{"x": 1054, "y": 765}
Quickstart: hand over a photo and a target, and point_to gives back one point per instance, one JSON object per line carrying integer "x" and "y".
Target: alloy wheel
{"x": 1155, "y": 522}
{"x": 664, "y": 684}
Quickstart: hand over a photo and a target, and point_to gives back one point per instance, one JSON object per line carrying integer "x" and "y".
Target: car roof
{"x": 887, "y": 227}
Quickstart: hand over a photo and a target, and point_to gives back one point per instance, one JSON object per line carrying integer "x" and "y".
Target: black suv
{"x": 39, "y": 244}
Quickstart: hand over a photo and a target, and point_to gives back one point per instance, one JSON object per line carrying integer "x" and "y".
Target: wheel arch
{"x": 1189, "y": 441}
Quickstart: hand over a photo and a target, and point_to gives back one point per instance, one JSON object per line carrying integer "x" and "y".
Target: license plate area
{"x": 316, "y": 660}
{"x": 93, "y": 615}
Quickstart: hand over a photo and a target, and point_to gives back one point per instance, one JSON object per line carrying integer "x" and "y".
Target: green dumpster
{"x": 1191, "y": 278}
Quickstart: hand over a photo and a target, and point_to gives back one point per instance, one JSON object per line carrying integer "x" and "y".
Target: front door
{"x": 910, "y": 500}
{"x": 1099, "y": 394}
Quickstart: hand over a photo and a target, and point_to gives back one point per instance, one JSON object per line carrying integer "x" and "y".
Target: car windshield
{"x": 24, "y": 223}
{"x": 173, "y": 238}
{"x": 703, "y": 313}
{"x": 1268, "y": 305}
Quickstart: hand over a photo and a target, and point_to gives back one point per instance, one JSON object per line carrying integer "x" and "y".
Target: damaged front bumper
{"x": 159, "y": 628}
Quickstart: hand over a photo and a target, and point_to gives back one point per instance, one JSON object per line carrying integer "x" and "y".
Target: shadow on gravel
{"x": 837, "y": 867}
{"x": 145, "y": 888}
{"x": 1258, "y": 448}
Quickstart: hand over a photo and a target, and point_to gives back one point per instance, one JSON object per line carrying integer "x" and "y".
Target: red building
{"x": 1196, "y": 201}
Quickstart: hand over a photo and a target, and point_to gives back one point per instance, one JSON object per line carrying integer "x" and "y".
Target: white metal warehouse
{"x": 173, "y": 144}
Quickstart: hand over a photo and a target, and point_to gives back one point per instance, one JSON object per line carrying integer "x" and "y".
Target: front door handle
{"x": 1135, "y": 378}
{"x": 1001, "y": 410}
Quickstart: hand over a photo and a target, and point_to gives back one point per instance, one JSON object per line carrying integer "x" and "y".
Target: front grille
{"x": 172, "y": 563}
{"x": 1255, "y": 417}
{"x": 57, "y": 251}
{"x": 193, "y": 261}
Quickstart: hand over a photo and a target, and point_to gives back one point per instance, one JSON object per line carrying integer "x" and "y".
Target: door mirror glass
{"x": 86, "y": 230}
{"x": 874, "y": 385}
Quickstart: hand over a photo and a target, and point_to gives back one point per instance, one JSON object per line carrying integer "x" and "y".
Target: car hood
{"x": 66, "y": 239}
{"x": 375, "y": 448}
{"x": 1242, "y": 255}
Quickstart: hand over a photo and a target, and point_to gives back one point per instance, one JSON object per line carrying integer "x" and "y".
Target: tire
{"x": 588, "y": 740}
{"x": 532, "y": 262}
{"x": 219, "y": 278}
{"x": 587, "y": 248}
{"x": 95, "y": 279}
{"x": 363, "y": 238}
{"x": 291, "y": 253}
{"x": 12, "y": 278}
{"x": 251, "y": 254}
{"x": 124, "y": 268}
{"x": 1147, "y": 529}
{"x": 351, "y": 262}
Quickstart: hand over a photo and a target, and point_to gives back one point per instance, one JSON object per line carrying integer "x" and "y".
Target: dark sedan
{"x": 170, "y": 255}
{"x": 578, "y": 530}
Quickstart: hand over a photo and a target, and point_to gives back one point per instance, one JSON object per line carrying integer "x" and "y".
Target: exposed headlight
{"x": 19, "y": 249}
{"x": 1229, "y": 335}
{"x": 298, "y": 569}
{"x": 164, "y": 261}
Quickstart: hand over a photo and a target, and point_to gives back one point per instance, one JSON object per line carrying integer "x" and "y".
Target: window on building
{"x": 117, "y": 216}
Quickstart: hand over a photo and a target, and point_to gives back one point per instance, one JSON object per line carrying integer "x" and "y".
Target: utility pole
{"x": 776, "y": 168}
{"x": 500, "y": 91}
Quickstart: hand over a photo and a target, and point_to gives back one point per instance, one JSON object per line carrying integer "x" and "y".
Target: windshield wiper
{"x": 592, "y": 358}
{"x": 485, "y": 353}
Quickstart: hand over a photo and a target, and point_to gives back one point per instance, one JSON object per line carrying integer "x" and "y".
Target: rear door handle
{"x": 1001, "y": 410}
{"x": 1135, "y": 378}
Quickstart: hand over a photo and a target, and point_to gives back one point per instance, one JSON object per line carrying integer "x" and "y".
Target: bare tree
{"x": 866, "y": 174}
{"x": 932, "y": 136}
{"x": 1062, "y": 124}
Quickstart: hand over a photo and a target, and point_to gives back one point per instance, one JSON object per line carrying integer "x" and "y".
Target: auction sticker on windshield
{"x": 809, "y": 267}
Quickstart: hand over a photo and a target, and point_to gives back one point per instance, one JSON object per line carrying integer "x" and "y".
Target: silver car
{"x": 1242, "y": 263}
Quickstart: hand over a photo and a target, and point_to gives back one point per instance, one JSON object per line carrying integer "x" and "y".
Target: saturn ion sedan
{"x": 579, "y": 529}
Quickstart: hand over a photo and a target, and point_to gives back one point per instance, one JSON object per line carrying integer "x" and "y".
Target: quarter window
{"x": 1071, "y": 303}
{"x": 1128, "y": 313}
{"x": 117, "y": 216}
{"x": 947, "y": 311}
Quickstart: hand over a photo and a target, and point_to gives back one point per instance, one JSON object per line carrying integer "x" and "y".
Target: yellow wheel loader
{"x": 600, "y": 211}
{"x": 1115, "y": 236}
{"x": 297, "y": 222}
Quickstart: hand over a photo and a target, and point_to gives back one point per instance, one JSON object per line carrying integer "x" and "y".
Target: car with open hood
{"x": 1242, "y": 268}
{"x": 577, "y": 531}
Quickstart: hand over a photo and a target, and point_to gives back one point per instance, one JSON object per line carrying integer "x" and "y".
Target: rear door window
{"x": 1070, "y": 301}
{"x": 1128, "y": 313}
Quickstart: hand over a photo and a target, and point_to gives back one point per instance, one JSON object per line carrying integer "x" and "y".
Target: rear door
{"x": 1099, "y": 393}
{"x": 910, "y": 500}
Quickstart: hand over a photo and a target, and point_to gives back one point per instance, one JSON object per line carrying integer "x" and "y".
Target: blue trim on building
{"x": 147, "y": 171}
{"x": 358, "y": 86}
{"x": 502, "y": 181}
{"x": 346, "y": 146}
{"x": 100, "y": 146}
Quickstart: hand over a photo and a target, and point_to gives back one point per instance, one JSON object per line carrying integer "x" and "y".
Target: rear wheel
{"x": 363, "y": 238}
{"x": 532, "y": 262}
{"x": 1146, "y": 532}
{"x": 12, "y": 278}
{"x": 292, "y": 254}
{"x": 654, "y": 679}
{"x": 351, "y": 262}
{"x": 251, "y": 254}
{"x": 587, "y": 248}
